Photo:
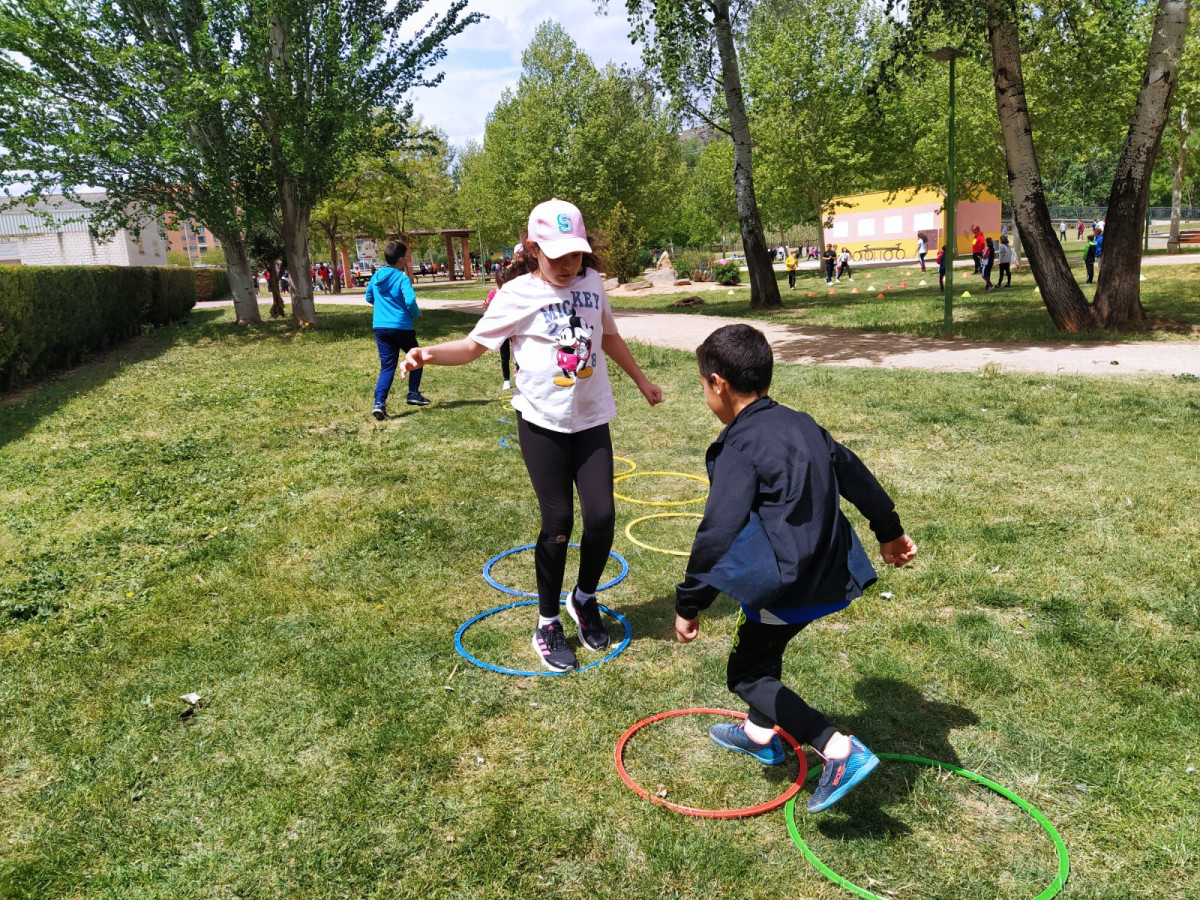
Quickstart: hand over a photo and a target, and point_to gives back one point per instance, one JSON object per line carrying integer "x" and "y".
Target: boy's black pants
{"x": 754, "y": 672}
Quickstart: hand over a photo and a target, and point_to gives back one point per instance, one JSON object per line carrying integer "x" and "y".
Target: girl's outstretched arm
{"x": 617, "y": 350}
{"x": 451, "y": 353}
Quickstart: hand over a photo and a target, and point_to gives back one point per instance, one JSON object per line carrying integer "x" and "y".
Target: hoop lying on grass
{"x": 632, "y": 474}
{"x": 1054, "y": 887}
{"x": 487, "y": 571}
{"x": 632, "y": 539}
{"x": 525, "y": 672}
{"x": 738, "y": 813}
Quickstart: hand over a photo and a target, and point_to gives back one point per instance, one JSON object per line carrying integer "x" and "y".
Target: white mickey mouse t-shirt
{"x": 562, "y": 375}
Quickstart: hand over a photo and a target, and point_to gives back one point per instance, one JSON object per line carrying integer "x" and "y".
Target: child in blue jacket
{"x": 774, "y": 538}
{"x": 390, "y": 291}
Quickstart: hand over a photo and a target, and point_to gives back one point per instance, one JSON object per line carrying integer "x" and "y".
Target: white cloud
{"x": 486, "y": 58}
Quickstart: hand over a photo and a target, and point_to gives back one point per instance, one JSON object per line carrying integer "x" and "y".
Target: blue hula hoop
{"x": 487, "y": 572}
{"x": 507, "y": 421}
{"x": 529, "y": 674}
{"x": 504, "y": 441}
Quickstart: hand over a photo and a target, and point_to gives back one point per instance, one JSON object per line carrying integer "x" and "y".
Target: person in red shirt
{"x": 977, "y": 249}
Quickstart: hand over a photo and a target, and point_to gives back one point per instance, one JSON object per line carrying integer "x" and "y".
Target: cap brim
{"x": 555, "y": 249}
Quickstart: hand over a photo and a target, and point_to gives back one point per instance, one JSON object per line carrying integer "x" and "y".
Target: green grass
{"x": 1007, "y": 314}
{"x": 211, "y": 509}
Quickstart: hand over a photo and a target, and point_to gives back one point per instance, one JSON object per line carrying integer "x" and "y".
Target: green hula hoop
{"x": 632, "y": 474}
{"x": 1064, "y": 865}
{"x": 632, "y": 539}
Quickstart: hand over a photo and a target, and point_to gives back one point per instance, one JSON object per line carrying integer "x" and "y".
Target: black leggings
{"x": 556, "y": 461}
{"x": 755, "y": 667}
{"x": 505, "y": 355}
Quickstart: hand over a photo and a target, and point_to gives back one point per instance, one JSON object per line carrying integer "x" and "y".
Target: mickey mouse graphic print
{"x": 557, "y": 332}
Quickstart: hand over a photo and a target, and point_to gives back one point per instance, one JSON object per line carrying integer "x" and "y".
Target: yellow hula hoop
{"x": 701, "y": 499}
{"x": 632, "y": 465}
{"x": 629, "y": 531}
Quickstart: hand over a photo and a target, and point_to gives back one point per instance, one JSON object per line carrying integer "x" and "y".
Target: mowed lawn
{"x": 212, "y": 510}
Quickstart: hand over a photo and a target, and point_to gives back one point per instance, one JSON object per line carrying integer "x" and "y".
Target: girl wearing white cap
{"x": 558, "y": 318}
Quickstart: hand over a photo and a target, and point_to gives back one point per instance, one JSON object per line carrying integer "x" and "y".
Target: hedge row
{"x": 51, "y": 315}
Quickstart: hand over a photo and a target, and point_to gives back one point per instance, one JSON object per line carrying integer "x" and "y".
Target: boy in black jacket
{"x": 774, "y": 538}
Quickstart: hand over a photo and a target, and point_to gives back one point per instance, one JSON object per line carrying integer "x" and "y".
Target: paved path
{"x": 837, "y": 347}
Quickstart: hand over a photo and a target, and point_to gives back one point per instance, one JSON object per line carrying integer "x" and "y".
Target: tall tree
{"x": 692, "y": 45}
{"x": 1118, "y": 291}
{"x": 324, "y": 80}
{"x": 594, "y": 137}
{"x": 127, "y": 98}
{"x": 1117, "y": 304}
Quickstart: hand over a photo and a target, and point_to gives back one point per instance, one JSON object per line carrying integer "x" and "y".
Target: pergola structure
{"x": 450, "y": 234}
{"x": 463, "y": 235}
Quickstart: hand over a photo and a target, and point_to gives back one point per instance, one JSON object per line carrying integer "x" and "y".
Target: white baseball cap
{"x": 556, "y": 226}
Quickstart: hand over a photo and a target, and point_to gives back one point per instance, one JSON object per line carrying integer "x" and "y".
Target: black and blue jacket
{"x": 773, "y": 535}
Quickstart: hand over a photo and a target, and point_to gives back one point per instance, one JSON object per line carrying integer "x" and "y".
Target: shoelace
{"x": 556, "y": 638}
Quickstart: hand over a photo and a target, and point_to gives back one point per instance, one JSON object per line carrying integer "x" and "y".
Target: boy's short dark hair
{"x": 741, "y": 355}
{"x": 394, "y": 251}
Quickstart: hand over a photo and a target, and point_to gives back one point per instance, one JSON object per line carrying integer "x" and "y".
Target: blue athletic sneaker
{"x": 734, "y": 737}
{"x": 841, "y": 775}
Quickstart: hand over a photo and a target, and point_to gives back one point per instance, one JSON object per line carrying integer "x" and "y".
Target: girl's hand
{"x": 898, "y": 552}
{"x": 652, "y": 392}
{"x": 416, "y": 358}
{"x": 687, "y": 630}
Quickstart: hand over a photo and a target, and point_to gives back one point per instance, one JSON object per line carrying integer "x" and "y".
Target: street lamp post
{"x": 949, "y": 54}
{"x": 482, "y": 264}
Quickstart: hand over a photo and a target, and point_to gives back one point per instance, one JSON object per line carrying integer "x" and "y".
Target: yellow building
{"x": 884, "y": 226}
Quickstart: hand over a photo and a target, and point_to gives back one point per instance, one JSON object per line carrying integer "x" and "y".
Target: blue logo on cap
{"x": 564, "y": 222}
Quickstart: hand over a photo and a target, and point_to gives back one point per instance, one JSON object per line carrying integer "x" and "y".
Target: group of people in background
{"x": 987, "y": 253}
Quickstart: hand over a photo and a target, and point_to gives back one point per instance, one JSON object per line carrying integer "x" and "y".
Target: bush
{"x": 623, "y": 241}
{"x": 50, "y": 316}
{"x": 726, "y": 271}
{"x": 211, "y": 284}
{"x": 692, "y": 264}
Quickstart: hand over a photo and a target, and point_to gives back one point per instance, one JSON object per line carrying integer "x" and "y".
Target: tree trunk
{"x": 295, "y": 219}
{"x": 336, "y": 282}
{"x": 241, "y": 278}
{"x": 277, "y": 308}
{"x": 1118, "y": 290}
{"x": 1064, "y": 300}
{"x": 764, "y": 289}
{"x": 1177, "y": 182}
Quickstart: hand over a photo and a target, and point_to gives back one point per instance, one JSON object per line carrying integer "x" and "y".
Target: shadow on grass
{"x": 897, "y": 719}
{"x": 24, "y": 407}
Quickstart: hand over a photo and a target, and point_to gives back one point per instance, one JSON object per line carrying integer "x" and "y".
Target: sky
{"x": 486, "y": 58}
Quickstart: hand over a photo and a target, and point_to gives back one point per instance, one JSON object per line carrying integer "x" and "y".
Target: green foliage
{"x": 622, "y": 241}
{"x": 593, "y": 137}
{"x": 708, "y": 208}
{"x": 726, "y": 271}
{"x": 51, "y": 316}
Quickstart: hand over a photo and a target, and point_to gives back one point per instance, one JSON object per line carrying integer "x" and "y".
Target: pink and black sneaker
{"x": 551, "y": 645}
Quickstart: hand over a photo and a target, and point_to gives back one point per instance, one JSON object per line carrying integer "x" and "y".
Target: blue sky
{"x": 486, "y": 58}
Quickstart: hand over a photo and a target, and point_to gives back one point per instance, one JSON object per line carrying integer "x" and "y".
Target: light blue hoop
{"x": 526, "y": 673}
{"x": 507, "y": 421}
{"x": 504, "y": 441}
{"x": 487, "y": 572}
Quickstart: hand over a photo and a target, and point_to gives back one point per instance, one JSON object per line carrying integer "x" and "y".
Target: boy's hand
{"x": 687, "y": 630}
{"x": 414, "y": 359}
{"x": 898, "y": 552}
{"x": 652, "y": 392}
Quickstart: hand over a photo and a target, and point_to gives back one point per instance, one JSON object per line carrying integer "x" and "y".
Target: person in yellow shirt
{"x": 791, "y": 262}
